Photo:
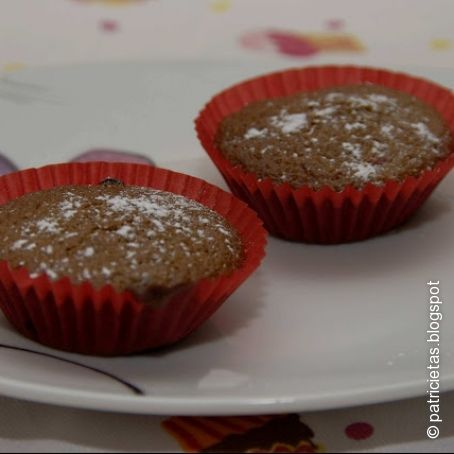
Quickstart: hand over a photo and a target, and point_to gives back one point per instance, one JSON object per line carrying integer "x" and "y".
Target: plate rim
{"x": 215, "y": 406}
{"x": 210, "y": 405}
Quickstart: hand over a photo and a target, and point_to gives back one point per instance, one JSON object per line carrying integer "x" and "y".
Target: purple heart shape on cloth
{"x": 6, "y": 166}
{"x": 110, "y": 155}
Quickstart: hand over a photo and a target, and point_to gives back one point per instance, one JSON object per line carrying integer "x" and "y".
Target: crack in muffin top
{"x": 348, "y": 135}
{"x": 135, "y": 238}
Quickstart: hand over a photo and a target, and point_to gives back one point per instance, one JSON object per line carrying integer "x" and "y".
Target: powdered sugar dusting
{"x": 354, "y": 149}
{"x": 371, "y": 101}
{"x": 125, "y": 231}
{"x": 424, "y": 132}
{"x": 289, "y": 123}
{"x": 89, "y": 251}
{"x": 387, "y": 130}
{"x": 253, "y": 133}
{"x": 356, "y": 164}
{"x": 353, "y": 126}
{"x": 69, "y": 206}
{"x": 381, "y": 99}
{"x": 326, "y": 112}
{"x": 363, "y": 170}
{"x": 48, "y": 225}
{"x": 19, "y": 244}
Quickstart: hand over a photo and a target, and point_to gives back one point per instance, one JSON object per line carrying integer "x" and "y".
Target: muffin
{"x": 136, "y": 262}
{"x": 143, "y": 240}
{"x": 336, "y": 137}
{"x": 331, "y": 154}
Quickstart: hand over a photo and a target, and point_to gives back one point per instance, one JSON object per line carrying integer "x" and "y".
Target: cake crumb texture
{"x": 335, "y": 137}
{"x": 134, "y": 238}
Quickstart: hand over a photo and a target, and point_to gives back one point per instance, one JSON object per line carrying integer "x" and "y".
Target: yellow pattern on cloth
{"x": 441, "y": 44}
{"x": 220, "y": 6}
{"x": 13, "y": 66}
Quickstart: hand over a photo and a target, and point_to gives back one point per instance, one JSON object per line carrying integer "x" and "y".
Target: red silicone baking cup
{"x": 79, "y": 318}
{"x": 325, "y": 216}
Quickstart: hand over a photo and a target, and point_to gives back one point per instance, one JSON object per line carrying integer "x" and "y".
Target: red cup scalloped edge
{"x": 81, "y": 319}
{"x": 325, "y": 216}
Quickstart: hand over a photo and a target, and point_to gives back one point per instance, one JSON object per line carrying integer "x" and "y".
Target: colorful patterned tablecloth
{"x": 380, "y": 33}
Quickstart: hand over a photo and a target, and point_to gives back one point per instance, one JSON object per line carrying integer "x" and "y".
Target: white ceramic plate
{"x": 316, "y": 327}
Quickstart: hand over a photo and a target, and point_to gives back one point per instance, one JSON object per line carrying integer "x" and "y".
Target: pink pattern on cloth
{"x": 296, "y": 44}
{"x": 109, "y": 25}
{"x": 290, "y": 44}
{"x": 335, "y": 24}
{"x": 359, "y": 431}
{"x": 256, "y": 41}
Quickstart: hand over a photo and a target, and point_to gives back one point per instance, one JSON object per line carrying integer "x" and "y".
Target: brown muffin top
{"x": 338, "y": 136}
{"x": 135, "y": 238}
